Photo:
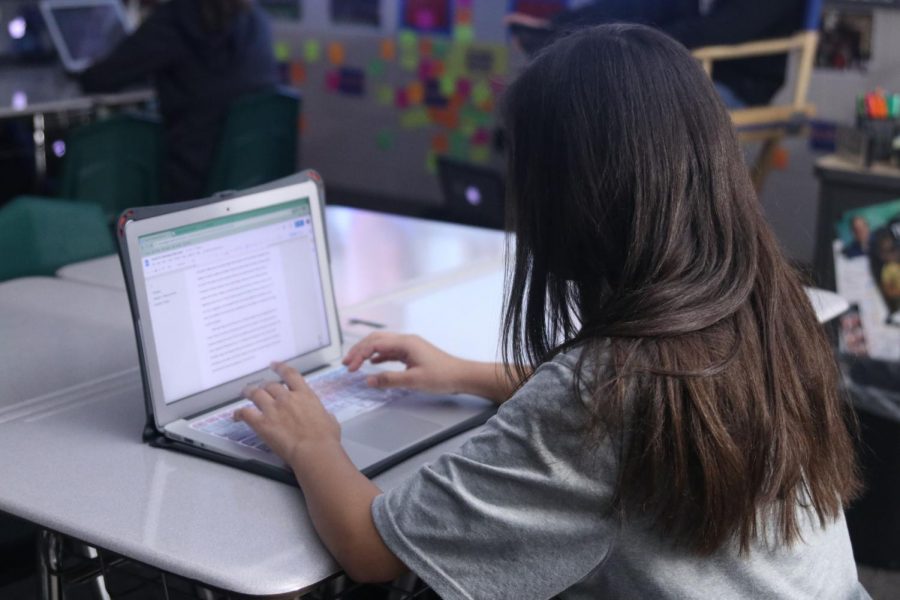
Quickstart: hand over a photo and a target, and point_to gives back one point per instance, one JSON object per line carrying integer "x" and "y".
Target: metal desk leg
{"x": 48, "y": 564}
{"x": 40, "y": 146}
{"x": 99, "y": 582}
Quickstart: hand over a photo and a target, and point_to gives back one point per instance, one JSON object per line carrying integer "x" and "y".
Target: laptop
{"x": 473, "y": 194}
{"x": 84, "y": 31}
{"x": 219, "y": 289}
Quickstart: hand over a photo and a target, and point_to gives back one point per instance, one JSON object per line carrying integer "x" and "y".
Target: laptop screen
{"x": 229, "y": 295}
{"x": 88, "y": 31}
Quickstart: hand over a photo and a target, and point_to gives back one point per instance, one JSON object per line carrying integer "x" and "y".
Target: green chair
{"x": 116, "y": 162}
{"x": 40, "y": 235}
{"x": 259, "y": 141}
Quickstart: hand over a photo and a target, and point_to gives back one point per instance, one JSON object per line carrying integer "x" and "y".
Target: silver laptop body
{"x": 221, "y": 290}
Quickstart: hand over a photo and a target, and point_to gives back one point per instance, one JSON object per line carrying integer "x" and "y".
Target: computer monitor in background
{"x": 472, "y": 194}
{"x": 84, "y": 31}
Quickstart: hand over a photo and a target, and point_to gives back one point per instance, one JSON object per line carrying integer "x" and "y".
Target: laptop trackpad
{"x": 388, "y": 430}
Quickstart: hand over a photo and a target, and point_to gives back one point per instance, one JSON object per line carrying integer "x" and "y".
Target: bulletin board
{"x": 390, "y": 85}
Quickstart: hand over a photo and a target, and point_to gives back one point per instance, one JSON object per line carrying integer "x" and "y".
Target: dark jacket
{"x": 754, "y": 80}
{"x": 197, "y": 75}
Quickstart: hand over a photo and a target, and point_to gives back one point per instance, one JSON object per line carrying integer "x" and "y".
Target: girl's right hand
{"x": 428, "y": 368}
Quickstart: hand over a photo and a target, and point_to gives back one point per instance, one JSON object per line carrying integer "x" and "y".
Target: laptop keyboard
{"x": 344, "y": 394}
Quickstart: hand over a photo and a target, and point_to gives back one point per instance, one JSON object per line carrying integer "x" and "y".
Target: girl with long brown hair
{"x": 670, "y": 423}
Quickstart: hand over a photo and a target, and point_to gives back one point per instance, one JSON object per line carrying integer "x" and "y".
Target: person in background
{"x": 201, "y": 55}
{"x": 671, "y": 423}
{"x": 696, "y": 24}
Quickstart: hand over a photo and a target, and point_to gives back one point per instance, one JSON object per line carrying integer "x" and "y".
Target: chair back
{"x": 40, "y": 235}
{"x": 813, "y": 15}
{"x": 116, "y": 162}
{"x": 258, "y": 143}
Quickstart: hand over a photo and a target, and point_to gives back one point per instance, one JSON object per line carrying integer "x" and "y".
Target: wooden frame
{"x": 770, "y": 124}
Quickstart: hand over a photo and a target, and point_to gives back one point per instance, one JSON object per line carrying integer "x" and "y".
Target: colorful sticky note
{"x": 312, "y": 50}
{"x": 481, "y": 93}
{"x": 415, "y": 91}
{"x": 388, "y": 49}
{"x": 464, "y": 15}
{"x": 298, "y": 73}
{"x": 425, "y": 69}
{"x": 447, "y": 84}
{"x": 459, "y": 145}
{"x": 408, "y": 39}
{"x": 336, "y": 53}
{"x": 385, "y": 139}
{"x": 448, "y": 118}
{"x": 440, "y": 143}
{"x": 385, "y": 95}
{"x": 439, "y": 49}
{"x": 464, "y": 87}
{"x": 415, "y": 118}
{"x": 464, "y": 33}
{"x": 282, "y": 51}
{"x": 401, "y": 100}
{"x": 376, "y": 68}
{"x": 480, "y": 154}
{"x": 481, "y": 137}
{"x": 352, "y": 81}
{"x": 332, "y": 81}
{"x": 409, "y": 62}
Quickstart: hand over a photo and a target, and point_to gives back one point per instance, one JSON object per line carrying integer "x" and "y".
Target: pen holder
{"x": 881, "y": 134}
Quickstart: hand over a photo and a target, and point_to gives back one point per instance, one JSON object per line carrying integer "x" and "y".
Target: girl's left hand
{"x": 290, "y": 420}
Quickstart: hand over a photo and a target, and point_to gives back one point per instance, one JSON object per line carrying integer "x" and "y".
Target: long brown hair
{"x": 640, "y": 240}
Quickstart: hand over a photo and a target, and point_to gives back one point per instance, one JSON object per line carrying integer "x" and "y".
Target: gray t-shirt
{"x": 520, "y": 512}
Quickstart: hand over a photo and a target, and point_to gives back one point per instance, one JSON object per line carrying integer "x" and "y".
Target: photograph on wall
{"x": 426, "y": 16}
{"x": 845, "y": 39}
{"x": 283, "y": 10}
{"x": 867, "y": 274}
{"x": 356, "y": 12}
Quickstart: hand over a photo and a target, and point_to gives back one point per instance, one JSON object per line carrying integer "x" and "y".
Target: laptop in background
{"x": 221, "y": 288}
{"x": 84, "y": 31}
{"x": 473, "y": 194}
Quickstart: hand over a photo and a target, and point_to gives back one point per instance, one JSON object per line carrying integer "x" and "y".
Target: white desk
{"x": 372, "y": 254}
{"x": 79, "y": 468}
{"x": 55, "y": 334}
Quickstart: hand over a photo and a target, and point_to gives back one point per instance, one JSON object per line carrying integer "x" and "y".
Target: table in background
{"x": 372, "y": 254}
{"x": 40, "y": 90}
{"x": 844, "y": 186}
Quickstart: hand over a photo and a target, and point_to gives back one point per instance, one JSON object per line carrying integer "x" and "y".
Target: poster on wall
{"x": 356, "y": 12}
{"x": 867, "y": 273}
{"x": 845, "y": 40}
{"x": 426, "y": 16}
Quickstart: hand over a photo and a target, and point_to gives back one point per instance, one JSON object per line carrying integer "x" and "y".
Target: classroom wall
{"x": 367, "y": 138}
{"x": 369, "y": 144}
{"x": 790, "y": 198}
